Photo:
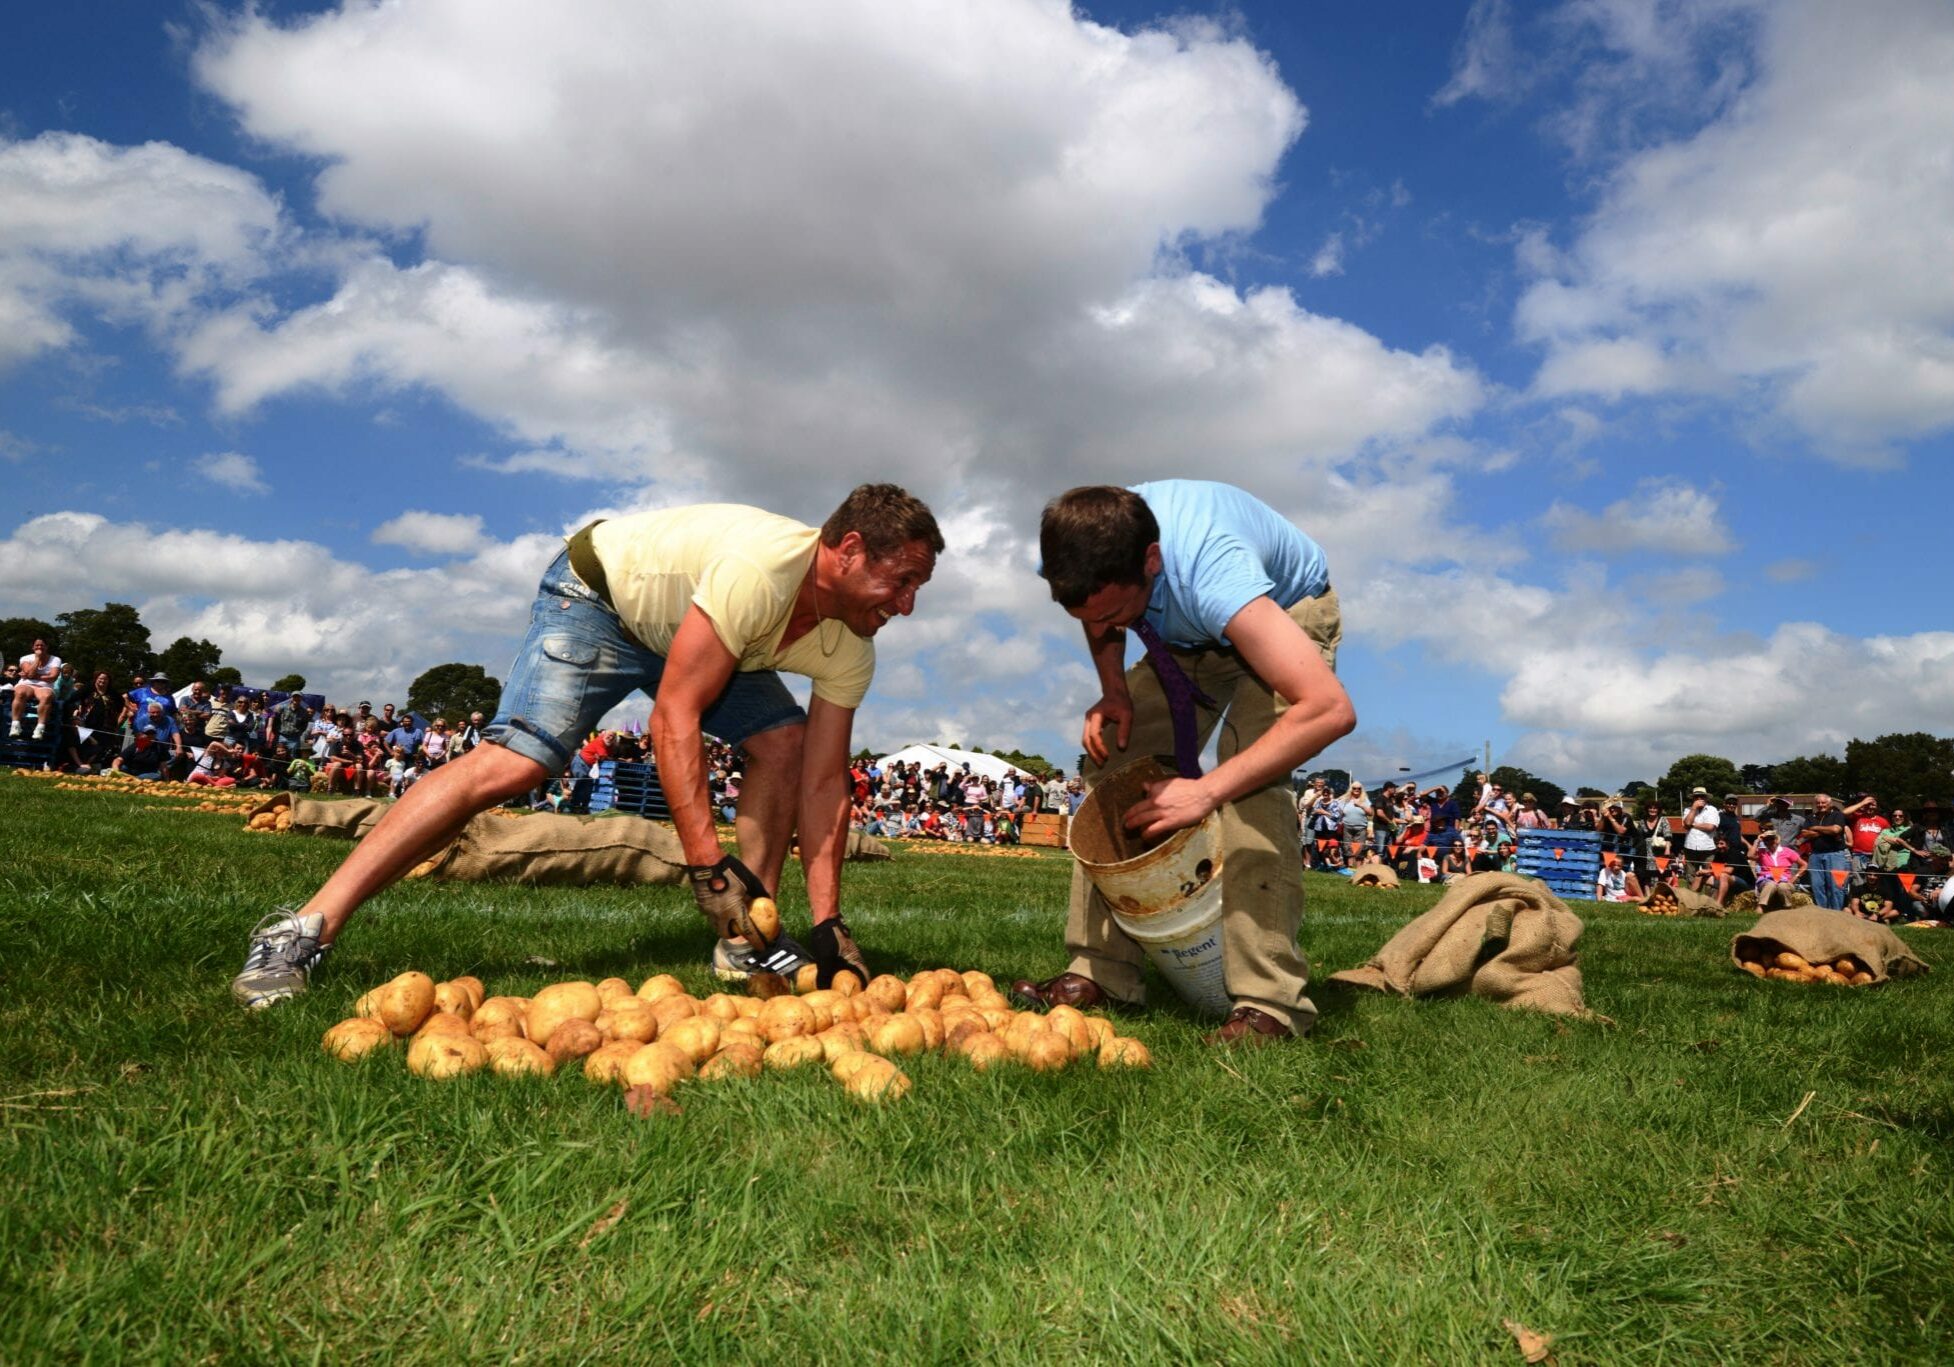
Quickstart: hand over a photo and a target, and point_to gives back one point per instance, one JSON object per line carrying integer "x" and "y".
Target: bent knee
{"x": 780, "y": 743}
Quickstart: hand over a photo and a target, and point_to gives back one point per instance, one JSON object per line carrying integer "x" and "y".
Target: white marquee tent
{"x": 929, "y": 756}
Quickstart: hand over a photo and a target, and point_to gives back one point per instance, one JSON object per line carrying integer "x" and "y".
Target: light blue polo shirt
{"x": 1220, "y": 550}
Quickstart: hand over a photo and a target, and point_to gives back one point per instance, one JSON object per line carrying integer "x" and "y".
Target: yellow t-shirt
{"x": 743, "y": 567}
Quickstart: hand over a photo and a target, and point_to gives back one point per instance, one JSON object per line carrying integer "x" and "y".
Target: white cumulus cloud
{"x": 233, "y": 470}
{"x": 1662, "y": 516}
{"x": 432, "y": 533}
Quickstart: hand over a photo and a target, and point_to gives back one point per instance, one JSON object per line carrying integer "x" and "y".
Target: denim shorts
{"x": 578, "y": 662}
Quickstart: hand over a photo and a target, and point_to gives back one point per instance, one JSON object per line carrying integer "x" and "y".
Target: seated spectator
{"x": 161, "y": 728}
{"x": 1725, "y": 873}
{"x": 396, "y": 770}
{"x": 299, "y": 770}
{"x": 38, "y": 672}
{"x": 215, "y": 767}
{"x": 1528, "y": 816}
{"x": 1776, "y": 862}
{"x": 1616, "y": 882}
{"x": 1493, "y": 851}
{"x": 141, "y": 757}
{"x": 98, "y": 712}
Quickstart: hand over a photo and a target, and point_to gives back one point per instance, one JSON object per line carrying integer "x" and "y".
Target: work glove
{"x": 725, "y": 893}
{"x": 835, "y": 952}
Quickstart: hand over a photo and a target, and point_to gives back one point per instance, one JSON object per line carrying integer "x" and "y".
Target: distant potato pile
{"x": 651, "y": 1040}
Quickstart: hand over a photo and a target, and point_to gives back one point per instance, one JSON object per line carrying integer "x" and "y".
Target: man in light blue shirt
{"x": 1235, "y": 607}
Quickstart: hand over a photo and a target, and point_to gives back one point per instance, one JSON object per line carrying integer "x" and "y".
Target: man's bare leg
{"x": 427, "y": 817}
{"x": 770, "y": 800}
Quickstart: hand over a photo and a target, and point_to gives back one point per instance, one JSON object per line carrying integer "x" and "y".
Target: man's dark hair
{"x": 1093, "y": 536}
{"x": 887, "y": 517}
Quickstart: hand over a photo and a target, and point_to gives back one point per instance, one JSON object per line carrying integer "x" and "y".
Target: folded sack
{"x": 1495, "y": 935}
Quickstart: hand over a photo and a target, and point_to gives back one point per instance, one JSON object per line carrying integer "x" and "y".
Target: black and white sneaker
{"x": 284, "y": 950}
{"x": 733, "y": 962}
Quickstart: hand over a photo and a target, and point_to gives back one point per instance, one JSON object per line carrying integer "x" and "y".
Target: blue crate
{"x": 1566, "y": 861}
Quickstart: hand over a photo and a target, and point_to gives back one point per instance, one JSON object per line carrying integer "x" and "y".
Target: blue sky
{"x": 1605, "y": 345}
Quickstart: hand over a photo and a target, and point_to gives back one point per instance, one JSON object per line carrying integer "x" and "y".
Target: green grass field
{"x": 1734, "y": 1171}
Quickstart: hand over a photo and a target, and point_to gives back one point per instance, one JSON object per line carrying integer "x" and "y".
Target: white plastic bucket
{"x": 1166, "y": 896}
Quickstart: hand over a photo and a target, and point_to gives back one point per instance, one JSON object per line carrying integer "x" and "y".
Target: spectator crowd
{"x": 1850, "y": 856}
{"x": 227, "y": 737}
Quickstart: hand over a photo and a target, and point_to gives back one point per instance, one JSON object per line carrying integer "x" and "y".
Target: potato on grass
{"x": 846, "y": 985}
{"x": 899, "y": 1035}
{"x": 985, "y": 1052}
{"x": 572, "y": 1040}
{"x": 659, "y": 1064}
{"x": 845, "y": 1067}
{"x": 454, "y": 999}
{"x": 807, "y": 978}
{"x": 405, "y": 1002}
{"x": 742, "y": 1031}
{"x": 1070, "y": 1022}
{"x": 610, "y": 989}
{"x": 734, "y": 1060}
{"x": 1102, "y": 1030}
{"x": 886, "y": 991}
{"x": 606, "y": 1066}
{"x": 445, "y": 1023}
{"x": 975, "y": 982}
{"x": 766, "y": 986}
{"x": 932, "y": 1022}
{"x": 356, "y": 1038}
{"x": 877, "y": 1080}
{"x": 722, "y": 1007}
{"x": 646, "y": 1102}
{"x": 669, "y": 1011}
{"x": 368, "y": 1004}
{"x": 627, "y": 1018}
{"x": 558, "y": 1003}
{"x": 965, "y": 1028}
{"x": 795, "y": 1052}
{"x": 477, "y": 991}
{"x": 786, "y": 1018}
{"x": 442, "y": 1056}
{"x": 1049, "y": 1052}
{"x": 922, "y": 992}
{"x": 696, "y": 1036}
{"x": 517, "y": 1057}
{"x": 1121, "y": 1052}
{"x": 661, "y": 985}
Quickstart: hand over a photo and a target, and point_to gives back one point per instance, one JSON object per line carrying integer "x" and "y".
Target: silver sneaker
{"x": 284, "y": 950}
{"x": 733, "y": 962}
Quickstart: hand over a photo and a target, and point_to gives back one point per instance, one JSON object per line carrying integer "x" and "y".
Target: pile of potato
{"x": 1787, "y": 967}
{"x": 650, "y": 1040}
{"x": 280, "y": 820}
{"x": 1662, "y": 901}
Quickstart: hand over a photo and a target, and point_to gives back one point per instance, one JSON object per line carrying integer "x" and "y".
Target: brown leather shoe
{"x": 1067, "y": 989}
{"x": 1246, "y": 1025}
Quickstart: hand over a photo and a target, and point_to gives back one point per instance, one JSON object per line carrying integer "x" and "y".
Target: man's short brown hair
{"x": 887, "y": 517}
{"x": 1093, "y": 536}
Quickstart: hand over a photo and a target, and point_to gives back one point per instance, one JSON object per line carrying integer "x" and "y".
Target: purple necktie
{"x": 1182, "y": 696}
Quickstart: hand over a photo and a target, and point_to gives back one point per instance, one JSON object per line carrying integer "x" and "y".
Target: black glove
{"x": 835, "y": 952}
{"x": 723, "y": 891}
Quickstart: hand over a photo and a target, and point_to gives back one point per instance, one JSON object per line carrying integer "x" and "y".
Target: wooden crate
{"x": 1046, "y": 828}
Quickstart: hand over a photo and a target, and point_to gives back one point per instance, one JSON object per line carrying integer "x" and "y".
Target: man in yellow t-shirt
{"x": 702, "y": 608}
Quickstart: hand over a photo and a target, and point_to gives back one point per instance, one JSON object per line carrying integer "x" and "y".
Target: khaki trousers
{"x": 1262, "y": 863}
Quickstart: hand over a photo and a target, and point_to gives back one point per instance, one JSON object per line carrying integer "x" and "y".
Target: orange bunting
{"x": 1907, "y": 880}
{"x": 1559, "y": 853}
{"x": 1718, "y": 870}
{"x": 1838, "y": 876}
{"x": 1662, "y": 863}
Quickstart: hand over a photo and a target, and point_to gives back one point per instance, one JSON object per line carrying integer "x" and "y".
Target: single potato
{"x": 356, "y": 1038}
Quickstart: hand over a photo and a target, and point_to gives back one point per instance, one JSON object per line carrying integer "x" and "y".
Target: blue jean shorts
{"x": 578, "y": 662}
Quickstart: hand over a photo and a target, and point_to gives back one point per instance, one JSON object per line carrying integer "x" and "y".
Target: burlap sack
{"x": 1817, "y": 935}
{"x": 1373, "y": 876}
{"x": 348, "y": 819}
{"x": 510, "y": 847}
{"x": 864, "y": 848}
{"x": 545, "y": 848}
{"x": 1689, "y": 902}
{"x": 1496, "y": 935}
